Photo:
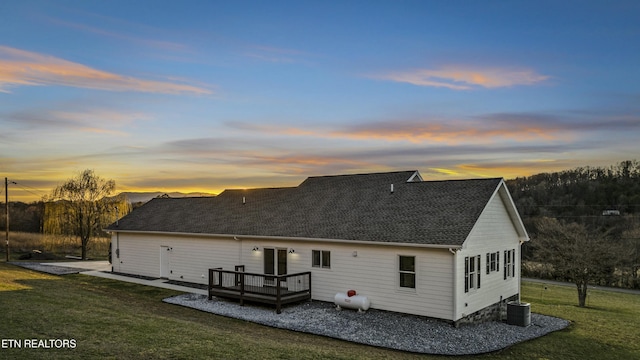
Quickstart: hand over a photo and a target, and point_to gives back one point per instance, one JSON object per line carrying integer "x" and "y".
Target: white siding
{"x": 494, "y": 232}
{"x": 189, "y": 258}
{"x": 374, "y": 272}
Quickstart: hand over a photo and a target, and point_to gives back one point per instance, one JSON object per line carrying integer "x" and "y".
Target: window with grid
{"x": 407, "y": 268}
{"x": 471, "y": 273}
{"x": 509, "y": 263}
{"x": 493, "y": 262}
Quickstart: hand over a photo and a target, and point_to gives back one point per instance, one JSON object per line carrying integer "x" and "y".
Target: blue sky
{"x": 208, "y": 95}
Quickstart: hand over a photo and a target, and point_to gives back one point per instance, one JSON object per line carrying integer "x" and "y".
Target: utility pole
{"x": 6, "y": 202}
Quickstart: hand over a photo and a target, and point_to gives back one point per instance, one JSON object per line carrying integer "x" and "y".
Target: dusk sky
{"x": 207, "y": 95}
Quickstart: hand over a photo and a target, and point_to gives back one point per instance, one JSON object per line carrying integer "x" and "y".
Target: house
{"x": 442, "y": 249}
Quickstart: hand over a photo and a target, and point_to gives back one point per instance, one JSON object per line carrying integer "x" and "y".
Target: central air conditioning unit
{"x": 519, "y": 313}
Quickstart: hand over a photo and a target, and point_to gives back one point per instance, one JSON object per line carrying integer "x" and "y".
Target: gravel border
{"x": 49, "y": 269}
{"x": 381, "y": 328}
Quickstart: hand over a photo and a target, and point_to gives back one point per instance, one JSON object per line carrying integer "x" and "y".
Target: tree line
{"x": 579, "y": 192}
{"x": 584, "y": 225}
{"x": 24, "y": 217}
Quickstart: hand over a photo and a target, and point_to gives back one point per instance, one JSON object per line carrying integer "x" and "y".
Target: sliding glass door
{"x": 275, "y": 262}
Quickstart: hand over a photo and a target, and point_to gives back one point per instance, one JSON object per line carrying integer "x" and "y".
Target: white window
{"x": 493, "y": 262}
{"x": 407, "y": 269}
{"x": 321, "y": 259}
{"x": 471, "y": 273}
{"x": 509, "y": 263}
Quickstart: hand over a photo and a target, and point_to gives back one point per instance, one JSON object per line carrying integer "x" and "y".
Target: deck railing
{"x": 265, "y": 288}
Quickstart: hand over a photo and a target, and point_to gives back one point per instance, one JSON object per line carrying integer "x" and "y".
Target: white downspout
{"x": 117, "y": 253}
{"x": 239, "y": 240}
{"x": 519, "y": 270}
{"x": 455, "y": 284}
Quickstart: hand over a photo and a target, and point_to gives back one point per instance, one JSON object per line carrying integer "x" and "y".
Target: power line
{"x": 27, "y": 190}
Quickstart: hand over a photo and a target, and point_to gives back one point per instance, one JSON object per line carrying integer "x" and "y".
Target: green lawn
{"x": 112, "y": 319}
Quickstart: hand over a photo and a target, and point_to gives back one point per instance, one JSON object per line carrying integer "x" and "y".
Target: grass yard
{"x": 112, "y": 319}
{"x": 57, "y": 245}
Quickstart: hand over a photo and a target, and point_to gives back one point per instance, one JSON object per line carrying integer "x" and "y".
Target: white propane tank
{"x": 357, "y": 302}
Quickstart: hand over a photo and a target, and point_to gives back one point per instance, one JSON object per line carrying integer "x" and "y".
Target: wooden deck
{"x": 262, "y": 288}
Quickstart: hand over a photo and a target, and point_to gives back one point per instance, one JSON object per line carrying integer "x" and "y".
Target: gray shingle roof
{"x": 345, "y": 207}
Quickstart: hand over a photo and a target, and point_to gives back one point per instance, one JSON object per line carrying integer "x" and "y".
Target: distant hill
{"x": 136, "y": 197}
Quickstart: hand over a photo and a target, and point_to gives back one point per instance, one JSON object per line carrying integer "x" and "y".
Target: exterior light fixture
{"x": 291, "y": 251}
{"x": 255, "y": 248}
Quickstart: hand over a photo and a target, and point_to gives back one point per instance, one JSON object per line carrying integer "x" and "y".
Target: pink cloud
{"x": 465, "y": 78}
{"x": 25, "y": 68}
{"x": 427, "y": 131}
{"x": 450, "y": 132}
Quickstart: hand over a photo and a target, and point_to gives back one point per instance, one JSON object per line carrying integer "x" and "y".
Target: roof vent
{"x": 392, "y": 188}
{"x": 244, "y": 200}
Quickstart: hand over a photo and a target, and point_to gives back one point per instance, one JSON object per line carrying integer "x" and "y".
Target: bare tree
{"x": 86, "y": 203}
{"x": 630, "y": 258}
{"x": 576, "y": 253}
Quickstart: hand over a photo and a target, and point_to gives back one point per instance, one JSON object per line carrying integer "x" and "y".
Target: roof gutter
{"x": 280, "y": 238}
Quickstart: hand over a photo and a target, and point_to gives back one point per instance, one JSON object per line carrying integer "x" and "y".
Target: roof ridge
{"x": 363, "y": 174}
{"x": 452, "y": 180}
{"x": 262, "y": 188}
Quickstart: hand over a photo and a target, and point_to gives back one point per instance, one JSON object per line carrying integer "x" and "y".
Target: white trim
{"x": 513, "y": 211}
{"x": 283, "y": 238}
{"x": 455, "y": 283}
